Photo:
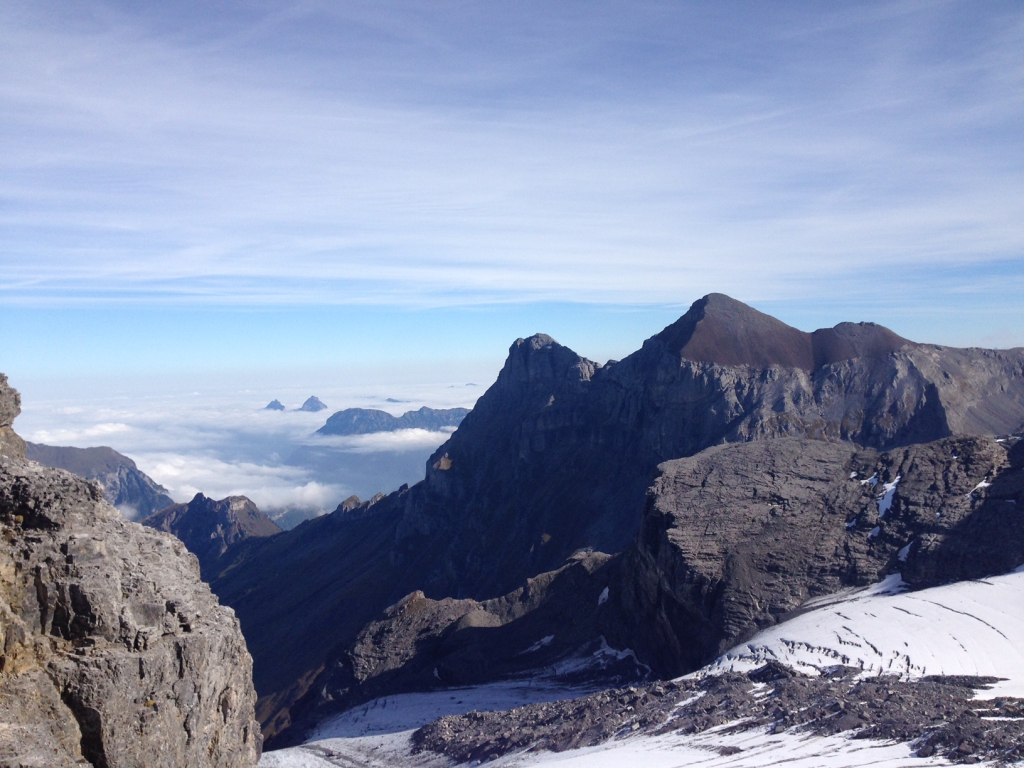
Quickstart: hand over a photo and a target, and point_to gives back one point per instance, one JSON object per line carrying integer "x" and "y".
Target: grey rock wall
{"x": 735, "y": 538}
{"x": 114, "y": 652}
{"x": 11, "y": 445}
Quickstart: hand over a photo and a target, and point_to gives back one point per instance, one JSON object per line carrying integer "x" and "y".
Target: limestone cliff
{"x": 11, "y": 445}
{"x": 114, "y": 653}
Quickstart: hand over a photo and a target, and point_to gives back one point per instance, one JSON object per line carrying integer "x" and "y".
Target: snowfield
{"x": 967, "y": 628}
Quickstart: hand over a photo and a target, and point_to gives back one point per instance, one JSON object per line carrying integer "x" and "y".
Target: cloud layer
{"x": 222, "y": 442}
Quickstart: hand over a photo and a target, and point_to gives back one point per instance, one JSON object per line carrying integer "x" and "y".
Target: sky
{"x": 385, "y": 193}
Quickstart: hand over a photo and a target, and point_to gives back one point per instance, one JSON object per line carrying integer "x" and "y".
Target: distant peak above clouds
{"x": 313, "y": 404}
{"x": 362, "y": 421}
{"x": 274, "y": 405}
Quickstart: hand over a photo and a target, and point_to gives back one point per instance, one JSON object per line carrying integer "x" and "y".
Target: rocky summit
{"x": 210, "y": 528}
{"x": 558, "y": 455}
{"x": 115, "y": 654}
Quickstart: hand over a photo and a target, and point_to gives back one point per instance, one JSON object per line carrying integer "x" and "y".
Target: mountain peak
{"x": 313, "y": 404}
{"x": 719, "y": 329}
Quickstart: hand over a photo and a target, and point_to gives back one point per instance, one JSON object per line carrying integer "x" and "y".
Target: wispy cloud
{"x": 438, "y": 155}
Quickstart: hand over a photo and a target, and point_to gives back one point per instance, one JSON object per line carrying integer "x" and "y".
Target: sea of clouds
{"x": 212, "y": 435}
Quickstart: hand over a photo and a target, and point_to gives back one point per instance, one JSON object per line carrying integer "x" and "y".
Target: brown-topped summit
{"x": 718, "y": 329}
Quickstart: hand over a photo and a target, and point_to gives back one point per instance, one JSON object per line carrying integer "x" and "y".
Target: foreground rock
{"x": 209, "y": 529}
{"x": 124, "y": 485}
{"x": 11, "y": 445}
{"x": 113, "y": 651}
{"x": 939, "y": 714}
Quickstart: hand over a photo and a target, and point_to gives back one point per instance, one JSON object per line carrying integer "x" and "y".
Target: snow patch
{"x": 853, "y": 475}
{"x": 872, "y": 481}
{"x": 604, "y": 597}
{"x": 885, "y": 500}
{"x": 874, "y": 532}
{"x": 626, "y": 653}
{"x": 904, "y": 553}
{"x": 539, "y": 644}
{"x": 980, "y": 487}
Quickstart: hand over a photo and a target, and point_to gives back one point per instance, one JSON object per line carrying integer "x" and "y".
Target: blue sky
{"x": 198, "y": 187}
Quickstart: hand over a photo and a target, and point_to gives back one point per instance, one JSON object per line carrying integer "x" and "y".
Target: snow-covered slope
{"x": 377, "y": 733}
{"x": 966, "y": 628}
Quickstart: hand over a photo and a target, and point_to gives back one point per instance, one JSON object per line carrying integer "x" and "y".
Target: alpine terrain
{"x": 596, "y": 524}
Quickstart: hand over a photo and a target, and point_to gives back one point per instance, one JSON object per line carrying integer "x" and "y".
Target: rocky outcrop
{"x": 11, "y": 445}
{"x": 555, "y": 622}
{"x": 558, "y": 454}
{"x": 939, "y": 715}
{"x": 211, "y": 528}
{"x": 274, "y": 405}
{"x": 113, "y": 651}
{"x": 736, "y": 538}
{"x": 361, "y": 421}
{"x": 124, "y": 485}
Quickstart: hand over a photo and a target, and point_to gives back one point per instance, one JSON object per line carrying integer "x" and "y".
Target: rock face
{"x": 274, "y": 405}
{"x": 210, "y": 528}
{"x": 313, "y": 404}
{"x": 361, "y": 421}
{"x": 735, "y": 538}
{"x": 11, "y": 445}
{"x": 129, "y": 489}
{"x": 113, "y": 651}
{"x": 558, "y": 454}
{"x": 555, "y": 621}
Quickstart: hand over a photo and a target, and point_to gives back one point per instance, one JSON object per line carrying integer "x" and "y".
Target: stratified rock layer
{"x": 735, "y": 538}
{"x": 114, "y": 652}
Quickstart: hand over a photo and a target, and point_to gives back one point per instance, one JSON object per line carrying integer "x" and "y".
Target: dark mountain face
{"x": 313, "y": 404}
{"x": 558, "y": 454}
{"x": 274, "y": 405}
{"x": 209, "y": 528}
{"x": 718, "y": 329}
{"x": 124, "y": 484}
{"x": 362, "y": 421}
